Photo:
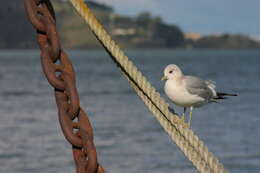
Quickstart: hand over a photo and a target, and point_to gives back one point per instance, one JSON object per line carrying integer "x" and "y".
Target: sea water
{"x": 127, "y": 137}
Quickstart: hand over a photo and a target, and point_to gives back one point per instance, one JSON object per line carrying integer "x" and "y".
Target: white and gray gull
{"x": 189, "y": 91}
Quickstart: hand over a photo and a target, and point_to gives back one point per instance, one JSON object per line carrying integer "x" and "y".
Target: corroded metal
{"x": 59, "y": 72}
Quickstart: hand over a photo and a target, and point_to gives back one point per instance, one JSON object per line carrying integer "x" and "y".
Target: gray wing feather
{"x": 197, "y": 86}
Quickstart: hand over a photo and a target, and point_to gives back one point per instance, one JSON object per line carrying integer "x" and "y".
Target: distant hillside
{"x": 142, "y": 31}
{"x": 15, "y": 31}
{"x": 235, "y": 41}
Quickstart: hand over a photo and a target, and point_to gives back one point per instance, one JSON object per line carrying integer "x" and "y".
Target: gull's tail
{"x": 223, "y": 95}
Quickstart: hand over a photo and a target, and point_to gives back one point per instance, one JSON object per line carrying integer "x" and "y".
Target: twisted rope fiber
{"x": 189, "y": 143}
{"x": 172, "y": 131}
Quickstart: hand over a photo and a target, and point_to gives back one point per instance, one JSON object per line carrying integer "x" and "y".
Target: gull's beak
{"x": 164, "y": 78}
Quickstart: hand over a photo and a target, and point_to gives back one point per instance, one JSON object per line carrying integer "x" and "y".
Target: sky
{"x": 202, "y": 16}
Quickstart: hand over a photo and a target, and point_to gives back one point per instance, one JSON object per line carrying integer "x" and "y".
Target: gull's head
{"x": 172, "y": 71}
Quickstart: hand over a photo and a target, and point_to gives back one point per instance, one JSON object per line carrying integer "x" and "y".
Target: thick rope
{"x": 186, "y": 140}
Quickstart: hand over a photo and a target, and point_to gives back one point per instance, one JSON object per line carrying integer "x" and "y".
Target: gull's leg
{"x": 183, "y": 114}
{"x": 191, "y": 108}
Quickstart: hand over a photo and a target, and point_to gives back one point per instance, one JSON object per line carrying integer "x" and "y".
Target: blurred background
{"x": 216, "y": 40}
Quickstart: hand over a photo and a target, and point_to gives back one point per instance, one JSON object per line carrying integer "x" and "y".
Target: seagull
{"x": 189, "y": 91}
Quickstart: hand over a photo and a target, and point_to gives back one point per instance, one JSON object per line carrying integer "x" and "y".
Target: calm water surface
{"x": 128, "y": 138}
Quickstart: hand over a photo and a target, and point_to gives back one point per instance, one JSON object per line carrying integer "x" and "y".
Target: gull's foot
{"x": 183, "y": 118}
{"x": 189, "y": 124}
{"x": 183, "y": 123}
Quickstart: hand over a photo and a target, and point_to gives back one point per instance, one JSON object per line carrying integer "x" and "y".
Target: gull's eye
{"x": 170, "y": 71}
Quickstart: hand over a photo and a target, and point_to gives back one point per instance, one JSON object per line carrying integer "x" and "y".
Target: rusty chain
{"x": 59, "y": 72}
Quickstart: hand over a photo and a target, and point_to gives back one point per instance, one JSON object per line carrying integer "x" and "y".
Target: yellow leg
{"x": 183, "y": 115}
{"x": 189, "y": 124}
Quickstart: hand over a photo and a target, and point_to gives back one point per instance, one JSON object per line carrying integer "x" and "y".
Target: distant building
{"x": 192, "y": 36}
{"x": 124, "y": 32}
{"x": 122, "y": 21}
{"x": 255, "y": 38}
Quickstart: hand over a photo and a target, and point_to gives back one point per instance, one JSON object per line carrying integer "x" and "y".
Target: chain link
{"x": 59, "y": 72}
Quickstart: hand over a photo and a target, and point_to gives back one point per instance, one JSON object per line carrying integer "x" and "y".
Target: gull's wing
{"x": 197, "y": 86}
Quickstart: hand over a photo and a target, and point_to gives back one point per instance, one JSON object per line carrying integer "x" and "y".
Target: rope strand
{"x": 185, "y": 139}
